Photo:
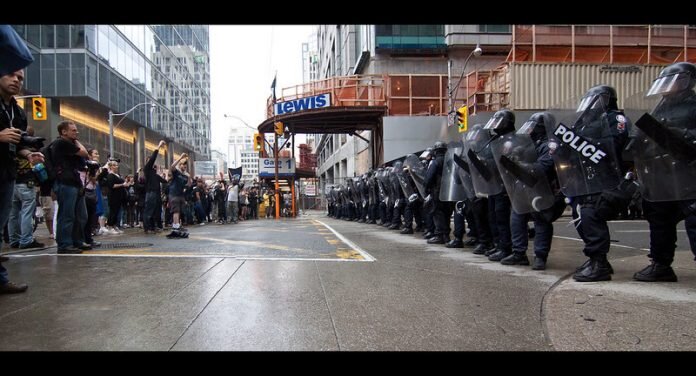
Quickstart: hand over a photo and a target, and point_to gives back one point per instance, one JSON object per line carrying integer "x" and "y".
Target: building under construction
{"x": 388, "y": 84}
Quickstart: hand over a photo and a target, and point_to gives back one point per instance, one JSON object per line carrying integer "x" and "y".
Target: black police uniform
{"x": 593, "y": 228}
{"x": 663, "y": 216}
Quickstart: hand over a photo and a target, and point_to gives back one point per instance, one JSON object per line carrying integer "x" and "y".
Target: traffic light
{"x": 278, "y": 126}
{"x": 39, "y": 108}
{"x": 462, "y": 115}
{"x": 258, "y": 142}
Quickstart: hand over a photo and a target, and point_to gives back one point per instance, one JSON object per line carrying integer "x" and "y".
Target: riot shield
{"x": 528, "y": 188}
{"x": 664, "y": 159}
{"x": 464, "y": 172}
{"x": 403, "y": 181}
{"x": 383, "y": 193}
{"x": 451, "y": 185}
{"x": 417, "y": 171}
{"x": 582, "y": 149}
{"x": 372, "y": 186}
{"x": 484, "y": 172}
{"x": 394, "y": 180}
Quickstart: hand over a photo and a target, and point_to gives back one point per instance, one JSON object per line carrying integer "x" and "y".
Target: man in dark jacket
{"x": 153, "y": 191}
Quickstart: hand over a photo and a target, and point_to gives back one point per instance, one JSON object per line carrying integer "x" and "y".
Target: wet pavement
{"x": 317, "y": 283}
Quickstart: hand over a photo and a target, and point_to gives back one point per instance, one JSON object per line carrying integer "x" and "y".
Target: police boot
{"x": 471, "y": 242}
{"x": 587, "y": 262}
{"x": 598, "y": 269}
{"x": 482, "y": 248}
{"x": 361, "y": 220}
{"x": 455, "y": 243}
{"x": 491, "y": 251}
{"x": 539, "y": 263}
{"x": 656, "y": 272}
{"x": 437, "y": 239}
{"x": 407, "y": 230}
{"x": 418, "y": 229}
{"x": 499, "y": 255}
{"x": 394, "y": 226}
{"x": 428, "y": 235}
{"x": 516, "y": 258}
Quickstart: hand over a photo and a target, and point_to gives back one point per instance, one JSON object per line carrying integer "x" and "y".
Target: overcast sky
{"x": 243, "y": 61}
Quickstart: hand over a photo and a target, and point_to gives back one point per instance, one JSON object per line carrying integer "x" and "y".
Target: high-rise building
{"x": 85, "y": 71}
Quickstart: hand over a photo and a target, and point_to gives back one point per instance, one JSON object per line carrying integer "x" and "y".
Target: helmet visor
{"x": 527, "y": 127}
{"x": 594, "y": 101}
{"x": 425, "y": 154}
{"x": 672, "y": 83}
{"x": 493, "y": 123}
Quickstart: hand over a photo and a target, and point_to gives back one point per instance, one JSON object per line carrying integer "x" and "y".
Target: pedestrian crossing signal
{"x": 462, "y": 115}
{"x": 39, "y": 108}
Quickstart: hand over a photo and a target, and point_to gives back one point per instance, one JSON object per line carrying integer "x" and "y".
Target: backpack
{"x": 52, "y": 170}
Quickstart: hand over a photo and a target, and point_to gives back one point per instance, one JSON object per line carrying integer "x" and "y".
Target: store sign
{"x": 300, "y": 104}
{"x": 286, "y": 167}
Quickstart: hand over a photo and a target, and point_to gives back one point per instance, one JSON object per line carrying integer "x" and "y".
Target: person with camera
{"x": 13, "y": 122}
{"x": 92, "y": 195}
{"x": 68, "y": 156}
{"x": 20, "y": 224}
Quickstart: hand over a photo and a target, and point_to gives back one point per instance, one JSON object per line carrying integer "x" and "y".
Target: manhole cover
{"x": 124, "y": 245}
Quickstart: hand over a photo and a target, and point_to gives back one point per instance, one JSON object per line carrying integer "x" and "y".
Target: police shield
{"x": 662, "y": 152}
{"x": 528, "y": 187}
{"x": 582, "y": 149}
{"x": 464, "y": 172}
{"x": 417, "y": 171}
{"x": 484, "y": 172}
{"x": 451, "y": 185}
{"x": 403, "y": 181}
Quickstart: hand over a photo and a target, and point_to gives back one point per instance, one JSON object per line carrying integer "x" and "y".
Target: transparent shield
{"x": 661, "y": 146}
{"x": 403, "y": 182}
{"x": 417, "y": 171}
{"x": 451, "y": 186}
{"x": 484, "y": 172}
{"x": 528, "y": 187}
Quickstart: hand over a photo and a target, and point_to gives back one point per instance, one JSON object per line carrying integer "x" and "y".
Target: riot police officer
{"x": 530, "y": 179}
{"x": 441, "y": 210}
{"x": 665, "y": 153}
{"x": 587, "y": 156}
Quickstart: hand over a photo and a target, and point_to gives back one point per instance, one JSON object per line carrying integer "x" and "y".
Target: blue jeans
{"x": 6, "y": 193}
{"x": 520, "y": 235}
{"x": 72, "y": 216}
{"x": 20, "y": 224}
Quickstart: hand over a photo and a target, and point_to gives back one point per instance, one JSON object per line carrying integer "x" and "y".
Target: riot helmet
{"x": 426, "y": 154}
{"x": 439, "y": 146}
{"x": 397, "y": 165}
{"x": 599, "y": 98}
{"x": 676, "y": 78}
{"x": 536, "y": 126}
{"x": 502, "y": 122}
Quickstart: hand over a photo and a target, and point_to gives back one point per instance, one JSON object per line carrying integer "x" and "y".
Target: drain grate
{"x": 123, "y": 245}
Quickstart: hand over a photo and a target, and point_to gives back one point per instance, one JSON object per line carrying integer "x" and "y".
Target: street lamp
{"x": 240, "y": 119}
{"x": 111, "y": 124}
{"x": 475, "y": 52}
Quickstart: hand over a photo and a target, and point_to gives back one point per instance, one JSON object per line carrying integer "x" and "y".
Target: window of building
{"x": 410, "y": 37}
{"x": 494, "y": 28}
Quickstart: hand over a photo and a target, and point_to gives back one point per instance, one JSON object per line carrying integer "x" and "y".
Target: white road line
{"x": 641, "y": 231}
{"x": 242, "y": 257}
{"x": 613, "y": 245}
{"x": 366, "y": 255}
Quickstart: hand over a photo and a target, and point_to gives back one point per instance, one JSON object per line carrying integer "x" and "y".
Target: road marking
{"x": 641, "y": 230}
{"x": 354, "y": 246}
{"x": 239, "y": 257}
{"x": 613, "y": 245}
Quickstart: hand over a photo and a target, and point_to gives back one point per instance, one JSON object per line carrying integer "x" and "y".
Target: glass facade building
{"x": 87, "y": 70}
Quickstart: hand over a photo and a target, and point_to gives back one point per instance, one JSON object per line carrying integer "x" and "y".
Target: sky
{"x": 243, "y": 62}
